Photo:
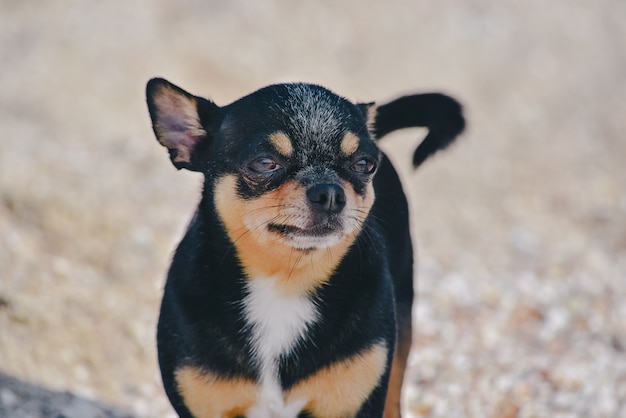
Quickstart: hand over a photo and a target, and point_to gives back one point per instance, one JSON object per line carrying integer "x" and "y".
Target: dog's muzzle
{"x": 326, "y": 199}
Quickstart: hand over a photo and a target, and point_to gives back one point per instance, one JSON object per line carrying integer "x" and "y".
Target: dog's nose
{"x": 329, "y": 198}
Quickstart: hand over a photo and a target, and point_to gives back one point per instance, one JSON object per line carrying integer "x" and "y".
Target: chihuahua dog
{"x": 290, "y": 294}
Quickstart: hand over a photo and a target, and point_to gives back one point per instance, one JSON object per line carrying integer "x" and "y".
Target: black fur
{"x": 368, "y": 297}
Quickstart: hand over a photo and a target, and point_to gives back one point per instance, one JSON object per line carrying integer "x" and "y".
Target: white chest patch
{"x": 278, "y": 322}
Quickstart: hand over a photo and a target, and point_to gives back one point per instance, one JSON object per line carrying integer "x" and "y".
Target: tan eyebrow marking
{"x": 281, "y": 143}
{"x": 349, "y": 144}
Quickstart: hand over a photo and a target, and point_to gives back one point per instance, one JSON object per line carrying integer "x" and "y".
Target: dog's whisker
{"x": 294, "y": 265}
{"x": 255, "y": 210}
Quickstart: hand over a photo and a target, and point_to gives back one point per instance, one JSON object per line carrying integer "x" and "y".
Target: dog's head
{"x": 288, "y": 166}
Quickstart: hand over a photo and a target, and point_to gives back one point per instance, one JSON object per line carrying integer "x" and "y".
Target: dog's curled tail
{"x": 441, "y": 114}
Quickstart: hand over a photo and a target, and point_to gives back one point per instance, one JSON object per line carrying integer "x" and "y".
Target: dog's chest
{"x": 278, "y": 321}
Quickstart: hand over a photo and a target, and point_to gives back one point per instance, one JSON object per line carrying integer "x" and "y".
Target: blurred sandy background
{"x": 520, "y": 226}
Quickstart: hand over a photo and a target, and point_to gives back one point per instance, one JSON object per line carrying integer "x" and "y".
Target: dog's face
{"x": 301, "y": 172}
{"x": 289, "y": 166}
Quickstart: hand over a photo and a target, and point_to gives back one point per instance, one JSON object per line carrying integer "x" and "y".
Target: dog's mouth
{"x": 320, "y": 235}
{"x": 315, "y": 231}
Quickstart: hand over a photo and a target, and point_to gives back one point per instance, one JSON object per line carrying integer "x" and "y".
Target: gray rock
{"x": 23, "y": 400}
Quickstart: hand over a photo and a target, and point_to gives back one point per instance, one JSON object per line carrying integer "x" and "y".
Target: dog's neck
{"x": 296, "y": 271}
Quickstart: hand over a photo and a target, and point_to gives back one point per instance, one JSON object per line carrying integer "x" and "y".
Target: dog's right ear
{"x": 179, "y": 121}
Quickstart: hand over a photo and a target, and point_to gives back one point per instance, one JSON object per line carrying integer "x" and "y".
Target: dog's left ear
{"x": 369, "y": 113}
{"x": 179, "y": 121}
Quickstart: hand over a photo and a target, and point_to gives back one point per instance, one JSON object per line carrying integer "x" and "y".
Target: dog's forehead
{"x": 316, "y": 114}
{"x": 312, "y": 118}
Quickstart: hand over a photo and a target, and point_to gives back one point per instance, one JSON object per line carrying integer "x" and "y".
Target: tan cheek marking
{"x": 369, "y": 198}
{"x": 363, "y": 204}
{"x": 281, "y": 143}
{"x": 349, "y": 144}
{"x": 208, "y": 396}
{"x": 340, "y": 389}
{"x": 230, "y": 207}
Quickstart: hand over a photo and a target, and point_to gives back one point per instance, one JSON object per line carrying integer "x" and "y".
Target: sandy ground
{"x": 521, "y": 226}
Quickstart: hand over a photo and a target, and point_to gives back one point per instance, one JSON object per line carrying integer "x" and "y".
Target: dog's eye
{"x": 263, "y": 165}
{"x": 363, "y": 166}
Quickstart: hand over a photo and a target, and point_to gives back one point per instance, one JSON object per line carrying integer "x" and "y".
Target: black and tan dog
{"x": 290, "y": 294}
